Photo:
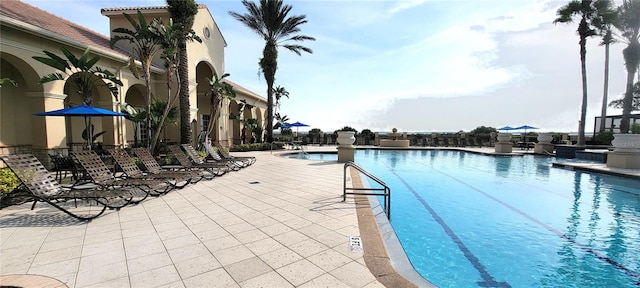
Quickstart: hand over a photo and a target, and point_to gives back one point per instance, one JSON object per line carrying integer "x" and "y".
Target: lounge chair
{"x": 35, "y": 178}
{"x": 132, "y": 171}
{"x": 214, "y": 156}
{"x": 225, "y": 155}
{"x": 195, "y": 157}
{"x": 215, "y": 169}
{"x": 101, "y": 175}
{"x": 154, "y": 168}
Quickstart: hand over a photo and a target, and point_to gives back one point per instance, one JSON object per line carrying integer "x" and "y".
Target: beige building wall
{"x": 20, "y": 41}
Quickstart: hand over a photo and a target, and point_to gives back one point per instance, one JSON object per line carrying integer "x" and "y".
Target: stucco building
{"x": 26, "y": 31}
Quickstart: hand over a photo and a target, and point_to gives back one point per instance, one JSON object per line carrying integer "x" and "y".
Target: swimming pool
{"x": 469, "y": 220}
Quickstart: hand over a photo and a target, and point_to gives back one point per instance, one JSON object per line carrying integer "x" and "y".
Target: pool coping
{"x": 383, "y": 254}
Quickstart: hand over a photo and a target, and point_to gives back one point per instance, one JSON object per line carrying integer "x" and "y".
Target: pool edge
{"x": 376, "y": 255}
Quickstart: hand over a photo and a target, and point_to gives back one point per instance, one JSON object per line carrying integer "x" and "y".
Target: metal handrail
{"x": 385, "y": 188}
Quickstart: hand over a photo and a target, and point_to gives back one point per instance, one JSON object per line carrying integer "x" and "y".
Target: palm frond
{"x": 54, "y": 61}
{"x": 297, "y": 48}
{"x": 51, "y": 77}
{"x": 72, "y": 58}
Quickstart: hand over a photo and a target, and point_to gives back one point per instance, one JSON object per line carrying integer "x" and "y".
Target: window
{"x": 206, "y": 32}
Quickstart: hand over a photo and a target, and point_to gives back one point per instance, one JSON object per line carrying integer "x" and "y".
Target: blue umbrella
{"x": 82, "y": 111}
{"x": 285, "y": 125}
{"x": 525, "y": 127}
{"x": 506, "y": 128}
{"x": 298, "y": 124}
{"x": 295, "y": 124}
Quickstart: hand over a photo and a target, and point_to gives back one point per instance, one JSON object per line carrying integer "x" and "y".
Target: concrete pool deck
{"x": 278, "y": 223}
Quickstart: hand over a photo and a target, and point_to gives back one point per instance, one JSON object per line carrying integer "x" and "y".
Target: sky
{"x": 414, "y": 65}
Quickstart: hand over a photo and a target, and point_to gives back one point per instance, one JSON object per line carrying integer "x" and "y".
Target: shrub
{"x": 257, "y": 147}
{"x": 603, "y": 138}
{"x": 8, "y": 181}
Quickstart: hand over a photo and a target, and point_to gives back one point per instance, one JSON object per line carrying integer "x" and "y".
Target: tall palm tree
{"x": 183, "y": 13}
{"x": 629, "y": 26}
{"x": 82, "y": 72}
{"x": 170, "y": 35}
{"x": 591, "y": 14}
{"x": 146, "y": 43}
{"x": 271, "y": 21}
{"x": 607, "y": 40}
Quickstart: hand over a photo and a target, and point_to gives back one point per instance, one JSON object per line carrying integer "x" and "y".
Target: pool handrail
{"x": 385, "y": 188}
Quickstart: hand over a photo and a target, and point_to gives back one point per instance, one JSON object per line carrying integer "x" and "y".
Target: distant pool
{"x": 469, "y": 220}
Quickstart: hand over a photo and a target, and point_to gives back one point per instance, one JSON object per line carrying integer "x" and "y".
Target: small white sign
{"x": 355, "y": 243}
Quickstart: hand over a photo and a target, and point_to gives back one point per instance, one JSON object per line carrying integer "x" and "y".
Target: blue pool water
{"x": 469, "y": 220}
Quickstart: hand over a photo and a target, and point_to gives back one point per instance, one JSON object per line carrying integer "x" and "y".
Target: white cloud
{"x": 406, "y": 4}
{"x": 412, "y": 64}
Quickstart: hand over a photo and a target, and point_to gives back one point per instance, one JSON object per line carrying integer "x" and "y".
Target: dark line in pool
{"x": 488, "y": 280}
{"x": 583, "y": 247}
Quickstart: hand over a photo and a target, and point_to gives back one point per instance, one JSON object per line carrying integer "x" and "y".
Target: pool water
{"x": 469, "y": 220}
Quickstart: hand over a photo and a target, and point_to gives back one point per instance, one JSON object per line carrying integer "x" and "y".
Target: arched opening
{"x": 19, "y": 103}
{"x": 76, "y": 127}
{"x": 235, "y": 130}
{"x": 204, "y": 72}
{"x": 134, "y": 130}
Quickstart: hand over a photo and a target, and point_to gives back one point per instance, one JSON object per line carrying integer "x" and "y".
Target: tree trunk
{"x": 171, "y": 100}
{"x": 146, "y": 66}
{"x": 214, "y": 114}
{"x": 583, "y": 110}
{"x": 632, "y": 59}
{"x": 269, "y": 65}
{"x": 628, "y": 94}
{"x": 605, "y": 94}
{"x": 185, "y": 108}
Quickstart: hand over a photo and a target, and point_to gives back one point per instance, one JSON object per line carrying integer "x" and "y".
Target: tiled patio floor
{"x": 278, "y": 223}
{"x": 290, "y": 229}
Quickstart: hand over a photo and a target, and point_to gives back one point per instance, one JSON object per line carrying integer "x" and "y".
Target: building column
{"x": 48, "y": 131}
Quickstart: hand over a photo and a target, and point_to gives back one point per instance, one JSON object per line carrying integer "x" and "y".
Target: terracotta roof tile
{"x": 115, "y": 9}
{"x": 26, "y": 13}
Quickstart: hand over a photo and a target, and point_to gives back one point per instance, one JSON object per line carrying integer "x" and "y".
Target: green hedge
{"x": 257, "y": 147}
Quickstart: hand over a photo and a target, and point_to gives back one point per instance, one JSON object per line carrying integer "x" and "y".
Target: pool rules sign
{"x": 355, "y": 243}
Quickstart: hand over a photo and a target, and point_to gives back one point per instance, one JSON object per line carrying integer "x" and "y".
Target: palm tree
{"x": 280, "y": 120}
{"x": 170, "y": 35}
{"x": 183, "y": 13}
{"x": 629, "y": 26}
{"x": 635, "y": 105}
{"x": 82, "y": 73}
{"x": 272, "y": 22}
{"x": 219, "y": 91}
{"x": 591, "y": 19}
{"x": 278, "y": 93}
{"x": 135, "y": 116}
{"x": 607, "y": 40}
{"x": 145, "y": 43}
{"x": 158, "y": 118}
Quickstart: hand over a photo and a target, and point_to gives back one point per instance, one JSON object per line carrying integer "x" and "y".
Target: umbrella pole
{"x": 86, "y": 125}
